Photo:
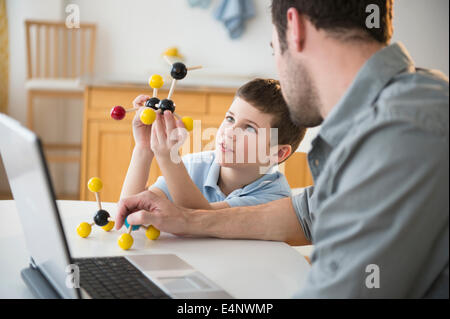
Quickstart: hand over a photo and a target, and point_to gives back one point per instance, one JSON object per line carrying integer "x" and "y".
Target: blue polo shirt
{"x": 204, "y": 172}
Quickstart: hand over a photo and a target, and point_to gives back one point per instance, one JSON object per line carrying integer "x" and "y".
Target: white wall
{"x": 133, "y": 33}
{"x": 132, "y": 37}
{"x": 424, "y": 28}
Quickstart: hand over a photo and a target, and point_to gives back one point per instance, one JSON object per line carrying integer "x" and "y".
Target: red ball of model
{"x": 118, "y": 113}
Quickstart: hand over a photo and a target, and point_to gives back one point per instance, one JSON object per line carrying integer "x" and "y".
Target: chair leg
{"x": 30, "y": 110}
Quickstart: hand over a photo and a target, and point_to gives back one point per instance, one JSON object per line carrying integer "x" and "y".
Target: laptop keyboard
{"x": 116, "y": 277}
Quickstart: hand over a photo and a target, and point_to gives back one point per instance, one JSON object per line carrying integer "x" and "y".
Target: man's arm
{"x": 275, "y": 221}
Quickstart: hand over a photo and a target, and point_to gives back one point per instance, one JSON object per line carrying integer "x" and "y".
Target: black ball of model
{"x": 179, "y": 71}
{"x": 167, "y": 105}
{"x": 101, "y": 218}
{"x": 152, "y": 103}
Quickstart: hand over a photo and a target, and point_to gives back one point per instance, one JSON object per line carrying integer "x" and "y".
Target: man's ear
{"x": 296, "y": 32}
{"x": 283, "y": 152}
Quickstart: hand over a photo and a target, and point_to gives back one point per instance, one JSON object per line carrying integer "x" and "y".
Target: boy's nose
{"x": 230, "y": 133}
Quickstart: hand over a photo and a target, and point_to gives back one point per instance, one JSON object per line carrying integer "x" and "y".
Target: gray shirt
{"x": 378, "y": 213}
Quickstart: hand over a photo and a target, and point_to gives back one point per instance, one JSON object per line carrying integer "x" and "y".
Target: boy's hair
{"x": 343, "y": 19}
{"x": 265, "y": 95}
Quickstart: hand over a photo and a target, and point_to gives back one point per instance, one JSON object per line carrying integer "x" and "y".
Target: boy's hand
{"x": 141, "y": 132}
{"x": 168, "y": 135}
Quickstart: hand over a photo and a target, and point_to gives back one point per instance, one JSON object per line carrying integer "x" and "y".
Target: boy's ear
{"x": 283, "y": 152}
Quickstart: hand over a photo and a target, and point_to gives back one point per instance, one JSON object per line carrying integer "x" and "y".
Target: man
{"x": 378, "y": 213}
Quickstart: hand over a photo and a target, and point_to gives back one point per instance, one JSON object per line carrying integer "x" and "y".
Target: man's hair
{"x": 265, "y": 95}
{"x": 343, "y": 19}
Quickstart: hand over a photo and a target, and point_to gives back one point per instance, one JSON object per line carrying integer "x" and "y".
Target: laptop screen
{"x": 35, "y": 201}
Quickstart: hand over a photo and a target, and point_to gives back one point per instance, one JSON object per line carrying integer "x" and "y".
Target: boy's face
{"x": 243, "y": 133}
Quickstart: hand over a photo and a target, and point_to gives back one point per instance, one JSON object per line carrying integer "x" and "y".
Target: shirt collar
{"x": 213, "y": 177}
{"x": 262, "y": 181}
{"x": 375, "y": 74}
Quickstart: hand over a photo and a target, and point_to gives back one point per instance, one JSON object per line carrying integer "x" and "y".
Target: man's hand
{"x": 147, "y": 208}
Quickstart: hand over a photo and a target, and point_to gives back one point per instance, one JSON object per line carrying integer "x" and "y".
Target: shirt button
{"x": 316, "y": 162}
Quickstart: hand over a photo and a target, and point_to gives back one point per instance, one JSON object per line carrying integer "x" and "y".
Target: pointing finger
{"x": 143, "y": 201}
{"x": 140, "y": 218}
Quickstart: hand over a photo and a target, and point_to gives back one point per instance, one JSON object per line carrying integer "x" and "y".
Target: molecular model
{"x": 125, "y": 241}
{"x": 103, "y": 219}
{"x": 153, "y": 105}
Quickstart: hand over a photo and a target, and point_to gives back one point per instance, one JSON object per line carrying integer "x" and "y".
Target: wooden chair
{"x": 56, "y": 59}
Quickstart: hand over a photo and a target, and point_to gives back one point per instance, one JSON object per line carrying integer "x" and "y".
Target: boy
{"x": 225, "y": 177}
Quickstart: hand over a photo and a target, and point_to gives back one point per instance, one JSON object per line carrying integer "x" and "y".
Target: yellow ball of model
{"x": 156, "y": 81}
{"x": 108, "y": 226}
{"x": 95, "y": 184}
{"x": 125, "y": 241}
{"x": 152, "y": 233}
{"x": 148, "y": 116}
{"x": 188, "y": 123}
{"x": 84, "y": 229}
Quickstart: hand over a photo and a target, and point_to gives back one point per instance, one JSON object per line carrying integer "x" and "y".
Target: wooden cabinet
{"x": 107, "y": 156}
{"x": 107, "y": 144}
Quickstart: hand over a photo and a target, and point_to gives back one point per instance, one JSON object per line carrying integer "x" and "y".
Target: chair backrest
{"x": 55, "y": 51}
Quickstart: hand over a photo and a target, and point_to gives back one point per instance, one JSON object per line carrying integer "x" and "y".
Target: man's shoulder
{"x": 409, "y": 120}
{"x": 420, "y": 99}
{"x": 432, "y": 82}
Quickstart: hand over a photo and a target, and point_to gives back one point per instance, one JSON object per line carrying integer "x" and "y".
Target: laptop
{"x": 52, "y": 272}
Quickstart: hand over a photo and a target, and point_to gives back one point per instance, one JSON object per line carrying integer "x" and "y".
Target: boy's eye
{"x": 229, "y": 119}
{"x": 251, "y": 129}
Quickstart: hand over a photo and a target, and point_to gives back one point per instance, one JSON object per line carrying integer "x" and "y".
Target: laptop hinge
{"x": 37, "y": 283}
{"x": 32, "y": 263}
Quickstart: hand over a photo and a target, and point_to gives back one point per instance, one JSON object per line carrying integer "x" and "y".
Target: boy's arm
{"x": 158, "y": 192}
{"x": 213, "y": 206}
{"x": 138, "y": 170}
{"x": 220, "y": 205}
{"x": 182, "y": 189}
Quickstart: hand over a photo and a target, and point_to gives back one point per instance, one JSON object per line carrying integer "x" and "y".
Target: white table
{"x": 244, "y": 268}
